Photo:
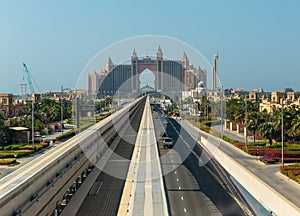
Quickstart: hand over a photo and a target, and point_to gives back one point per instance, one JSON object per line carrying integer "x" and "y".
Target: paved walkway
{"x": 231, "y": 134}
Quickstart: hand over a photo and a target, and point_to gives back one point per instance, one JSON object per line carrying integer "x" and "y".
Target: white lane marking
{"x": 176, "y": 172}
{"x": 184, "y": 209}
{"x": 181, "y": 197}
{"x": 179, "y": 188}
{"x": 172, "y": 160}
{"x": 177, "y": 179}
{"x": 173, "y": 166}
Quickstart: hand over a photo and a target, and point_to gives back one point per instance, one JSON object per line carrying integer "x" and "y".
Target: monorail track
{"x": 39, "y": 187}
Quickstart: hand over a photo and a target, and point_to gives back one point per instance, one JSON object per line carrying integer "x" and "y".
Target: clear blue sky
{"x": 257, "y": 40}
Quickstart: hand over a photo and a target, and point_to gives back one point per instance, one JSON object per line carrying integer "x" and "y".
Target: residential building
{"x": 6, "y": 105}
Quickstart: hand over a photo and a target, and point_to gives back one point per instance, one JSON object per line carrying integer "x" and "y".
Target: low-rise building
{"x": 276, "y": 100}
{"x": 6, "y": 105}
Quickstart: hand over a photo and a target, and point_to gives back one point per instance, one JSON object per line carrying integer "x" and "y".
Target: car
{"x": 168, "y": 142}
{"x": 164, "y": 134}
{"x": 155, "y": 117}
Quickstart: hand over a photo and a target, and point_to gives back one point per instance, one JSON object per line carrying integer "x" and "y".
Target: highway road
{"x": 193, "y": 189}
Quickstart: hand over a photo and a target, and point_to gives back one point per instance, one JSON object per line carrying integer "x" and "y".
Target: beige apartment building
{"x": 277, "y": 98}
{"x": 6, "y": 105}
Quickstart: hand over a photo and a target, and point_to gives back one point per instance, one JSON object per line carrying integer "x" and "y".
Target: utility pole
{"x": 246, "y": 122}
{"x": 32, "y": 120}
{"x": 282, "y": 135}
{"x": 61, "y": 111}
{"x": 222, "y": 114}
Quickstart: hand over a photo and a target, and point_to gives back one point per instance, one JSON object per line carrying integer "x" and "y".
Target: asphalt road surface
{"x": 193, "y": 189}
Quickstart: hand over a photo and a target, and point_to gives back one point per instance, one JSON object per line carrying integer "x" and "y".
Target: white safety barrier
{"x": 275, "y": 202}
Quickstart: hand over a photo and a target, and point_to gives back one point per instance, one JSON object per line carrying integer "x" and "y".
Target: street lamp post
{"x": 206, "y": 104}
{"x": 222, "y": 114}
{"x": 282, "y": 135}
{"x": 32, "y": 122}
{"x": 246, "y": 122}
{"x": 61, "y": 111}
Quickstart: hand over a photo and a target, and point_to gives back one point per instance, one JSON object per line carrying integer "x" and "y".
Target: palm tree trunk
{"x": 270, "y": 141}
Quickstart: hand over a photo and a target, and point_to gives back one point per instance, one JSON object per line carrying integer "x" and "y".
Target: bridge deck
{"x": 104, "y": 191}
{"x": 145, "y": 180}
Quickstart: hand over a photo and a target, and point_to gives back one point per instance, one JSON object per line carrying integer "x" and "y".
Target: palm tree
{"x": 1, "y": 121}
{"x": 268, "y": 131}
{"x": 287, "y": 122}
{"x": 255, "y": 119}
{"x": 235, "y": 110}
{"x": 295, "y": 128}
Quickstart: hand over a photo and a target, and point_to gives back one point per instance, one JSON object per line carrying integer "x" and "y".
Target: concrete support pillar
{"x": 245, "y": 131}
{"x": 231, "y": 126}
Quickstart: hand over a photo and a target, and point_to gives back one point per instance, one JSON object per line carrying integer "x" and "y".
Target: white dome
{"x": 200, "y": 85}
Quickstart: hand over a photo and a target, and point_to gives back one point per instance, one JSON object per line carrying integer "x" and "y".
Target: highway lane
{"x": 193, "y": 189}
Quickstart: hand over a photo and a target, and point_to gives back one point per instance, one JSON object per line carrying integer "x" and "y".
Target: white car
{"x": 168, "y": 142}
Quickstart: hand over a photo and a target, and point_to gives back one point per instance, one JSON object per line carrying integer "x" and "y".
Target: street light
{"x": 32, "y": 122}
{"x": 62, "y": 110}
{"x": 246, "y": 122}
{"x": 282, "y": 135}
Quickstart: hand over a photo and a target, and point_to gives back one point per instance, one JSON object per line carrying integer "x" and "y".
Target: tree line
{"x": 46, "y": 111}
{"x": 267, "y": 124}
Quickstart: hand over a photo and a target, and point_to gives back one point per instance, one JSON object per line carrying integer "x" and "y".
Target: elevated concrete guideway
{"x": 144, "y": 192}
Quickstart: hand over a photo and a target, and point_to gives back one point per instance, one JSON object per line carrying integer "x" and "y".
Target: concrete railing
{"x": 262, "y": 192}
{"x": 40, "y": 185}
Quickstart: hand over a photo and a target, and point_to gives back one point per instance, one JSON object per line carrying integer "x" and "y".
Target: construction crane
{"x": 29, "y": 79}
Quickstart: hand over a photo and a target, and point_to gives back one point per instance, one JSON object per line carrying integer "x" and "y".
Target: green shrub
{"x": 227, "y": 139}
{"x": 66, "y": 135}
{"x": 47, "y": 141}
{"x": 7, "y": 161}
{"x": 261, "y": 143}
{"x": 11, "y": 153}
{"x": 274, "y": 146}
{"x": 290, "y": 148}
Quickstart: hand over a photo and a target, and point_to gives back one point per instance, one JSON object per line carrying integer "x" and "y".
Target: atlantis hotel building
{"x": 171, "y": 76}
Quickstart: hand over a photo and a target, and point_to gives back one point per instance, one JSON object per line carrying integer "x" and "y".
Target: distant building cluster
{"x": 13, "y": 106}
{"x": 277, "y": 99}
{"x": 125, "y": 78}
{"x": 270, "y": 101}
